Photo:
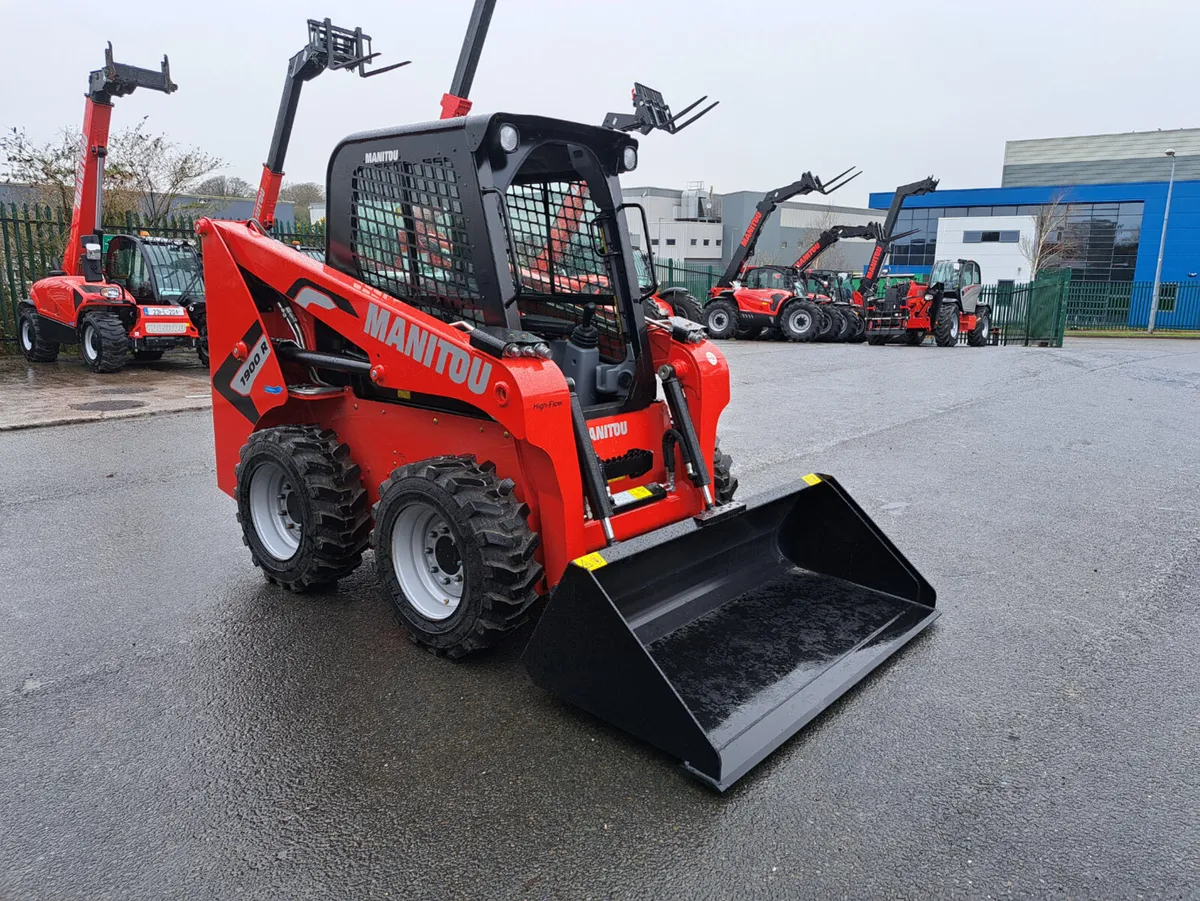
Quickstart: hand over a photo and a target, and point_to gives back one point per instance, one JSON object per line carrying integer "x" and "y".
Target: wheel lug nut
{"x": 446, "y": 581}
{"x": 429, "y": 550}
{"x": 434, "y": 569}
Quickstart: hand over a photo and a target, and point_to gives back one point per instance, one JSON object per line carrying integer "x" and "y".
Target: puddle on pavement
{"x": 125, "y": 389}
{"x": 108, "y": 406}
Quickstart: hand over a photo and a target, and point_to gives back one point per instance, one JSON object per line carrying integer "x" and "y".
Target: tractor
{"x": 480, "y": 400}
{"x": 949, "y": 306}
{"x": 139, "y": 306}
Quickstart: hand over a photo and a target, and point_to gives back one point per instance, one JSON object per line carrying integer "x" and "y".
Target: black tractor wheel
{"x": 982, "y": 333}
{"x": 686, "y": 305}
{"x": 945, "y": 330}
{"x": 771, "y": 334}
{"x": 36, "y": 348}
{"x": 876, "y": 340}
{"x": 147, "y": 356}
{"x": 301, "y": 506}
{"x": 455, "y": 554}
{"x": 103, "y": 341}
{"x": 845, "y": 327}
{"x": 828, "y": 325}
{"x": 721, "y": 319}
{"x": 858, "y": 328}
{"x": 799, "y": 321}
{"x": 650, "y": 309}
{"x": 725, "y": 483}
{"x": 914, "y": 336}
{"x": 747, "y": 332}
{"x": 202, "y": 344}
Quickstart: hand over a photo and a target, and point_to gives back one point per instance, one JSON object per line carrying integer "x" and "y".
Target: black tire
{"x": 321, "y": 493}
{"x": 35, "y": 348}
{"x": 490, "y": 543}
{"x": 103, "y": 341}
{"x": 685, "y": 305}
{"x": 747, "y": 332}
{"x": 799, "y": 321}
{"x": 844, "y": 325}
{"x": 876, "y": 340}
{"x": 828, "y": 325}
{"x": 147, "y": 356}
{"x": 945, "y": 330}
{"x": 771, "y": 334}
{"x": 202, "y": 345}
{"x": 725, "y": 483}
{"x": 982, "y": 333}
{"x": 721, "y": 319}
{"x": 858, "y": 328}
{"x": 650, "y": 309}
{"x": 913, "y": 337}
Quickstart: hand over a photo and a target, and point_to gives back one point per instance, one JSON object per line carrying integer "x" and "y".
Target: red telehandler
{"x": 136, "y": 307}
{"x": 948, "y": 306}
{"x": 736, "y": 310}
{"x": 489, "y": 409}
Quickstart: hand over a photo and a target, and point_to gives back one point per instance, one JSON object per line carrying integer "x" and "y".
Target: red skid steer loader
{"x": 491, "y": 411}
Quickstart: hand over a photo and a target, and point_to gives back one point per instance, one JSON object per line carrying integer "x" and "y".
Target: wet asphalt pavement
{"x": 173, "y": 727}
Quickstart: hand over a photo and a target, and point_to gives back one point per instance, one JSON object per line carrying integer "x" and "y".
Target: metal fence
{"x": 33, "y": 238}
{"x": 1034, "y": 313}
{"x": 1122, "y": 306}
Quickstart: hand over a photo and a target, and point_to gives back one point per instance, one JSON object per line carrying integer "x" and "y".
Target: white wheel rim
{"x": 427, "y": 562}
{"x": 26, "y": 335}
{"x": 717, "y": 320}
{"x": 274, "y": 510}
{"x": 987, "y": 328}
{"x": 91, "y": 348}
{"x": 954, "y": 328}
{"x": 800, "y": 321}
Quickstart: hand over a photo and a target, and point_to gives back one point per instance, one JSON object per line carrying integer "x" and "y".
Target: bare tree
{"x": 301, "y": 194}
{"x": 154, "y": 169}
{"x": 48, "y": 170}
{"x": 836, "y": 256}
{"x": 1052, "y": 243}
{"x": 225, "y": 186}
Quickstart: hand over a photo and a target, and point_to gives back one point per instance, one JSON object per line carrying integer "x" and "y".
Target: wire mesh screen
{"x": 555, "y": 260}
{"x": 409, "y": 238}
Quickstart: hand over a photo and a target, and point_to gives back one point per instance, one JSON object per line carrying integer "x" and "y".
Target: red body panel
{"x": 65, "y": 298}
{"x": 524, "y": 426}
{"x": 268, "y": 197}
{"x": 754, "y": 300}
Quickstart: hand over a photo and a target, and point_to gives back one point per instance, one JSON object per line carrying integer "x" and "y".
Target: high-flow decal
{"x": 430, "y": 350}
{"x": 608, "y": 430}
{"x": 307, "y": 294}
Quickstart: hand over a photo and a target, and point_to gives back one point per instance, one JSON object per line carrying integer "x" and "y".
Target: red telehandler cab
{"x": 134, "y": 305}
{"x": 735, "y": 310}
{"x": 487, "y": 406}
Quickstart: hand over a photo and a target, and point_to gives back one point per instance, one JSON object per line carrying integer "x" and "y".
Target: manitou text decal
{"x": 442, "y": 356}
{"x": 382, "y": 156}
{"x": 608, "y": 430}
{"x": 243, "y": 380}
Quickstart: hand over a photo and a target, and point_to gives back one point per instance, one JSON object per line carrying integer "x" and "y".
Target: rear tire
{"x": 945, "y": 330}
{"x": 455, "y": 554}
{"x": 35, "y": 348}
{"x": 103, "y": 341}
{"x": 982, "y": 333}
{"x": 202, "y": 344}
{"x": 725, "y": 484}
{"x": 913, "y": 337}
{"x": 687, "y": 306}
{"x": 828, "y": 326}
{"x": 844, "y": 326}
{"x": 147, "y": 356}
{"x": 799, "y": 321}
{"x": 876, "y": 340}
{"x": 301, "y": 506}
{"x": 721, "y": 319}
{"x": 747, "y": 333}
{"x": 858, "y": 329}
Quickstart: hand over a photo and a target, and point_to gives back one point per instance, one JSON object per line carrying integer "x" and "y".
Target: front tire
{"x": 828, "y": 325}
{"x": 725, "y": 484}
{"x": 687, "y": 306}
{"x": 103, "y": 341}
{"x": 721, "y": 319}
{"x": 945, "y": 330}
{"x": 301, "y": 506}
{"x": 455, "y": 554}
{"x": 844, "y": 326}
{"x": 876, "y": 340}
{"x": 799, "y": 321}
{"x": 35, "y": 348}
{"x": 914, "y": 337}
{"x": 747, "y": 333}
{"x": 982, "y": 333}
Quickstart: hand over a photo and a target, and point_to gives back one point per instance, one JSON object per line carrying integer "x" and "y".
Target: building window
{"x": 1007, "y": 237}
{"x": 654, "y": 242}
{"x": 718, "y": 242}
{"x": 706, "y": 242}
{"x": 670, "y": 242}
{"x": 784, "y": 245}
{"x": 693, "y": 242}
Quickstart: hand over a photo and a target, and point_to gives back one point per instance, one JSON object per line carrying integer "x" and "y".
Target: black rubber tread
{"x": 799, "y": 335}
{"x": 731, "y": 310}
{"x": 844, "y": 325}
{"x": 335, "y": 521}
{"x": 41, "y": 350}
{"x": 747, "y": 332}
{"x": 725, "y": 483}
{"x": 771, "y": 334}
{"x": 114, "y": 341}
{"x": 684, "y": 304}
{"x": 201, "y": 323}
{"x": 877, "y": 340}
{"x": 827, "y": 325}
{"x": 913, "y": 337}
{"x": 650, "y": 309}
{"x": 943, "y": 329}
{"x": 858, "y": 328}
{"x": 495, "y": 542}
{"x": 147, "y": 356}
{"x": 976, "y": 336}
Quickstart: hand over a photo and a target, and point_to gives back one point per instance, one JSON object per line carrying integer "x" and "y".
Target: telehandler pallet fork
{"x": 486, "y": 404}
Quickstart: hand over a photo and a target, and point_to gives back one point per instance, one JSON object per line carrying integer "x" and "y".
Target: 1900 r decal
{"x": 243, "y": 380}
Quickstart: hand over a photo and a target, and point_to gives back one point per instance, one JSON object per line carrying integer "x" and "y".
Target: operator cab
{"x": 156, "y": 271}
{"x": 512, "y": 225}
{"x": 955, "y": 276}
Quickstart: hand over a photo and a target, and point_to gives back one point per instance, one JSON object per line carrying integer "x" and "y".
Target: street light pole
{"x": 1162, "y": 246}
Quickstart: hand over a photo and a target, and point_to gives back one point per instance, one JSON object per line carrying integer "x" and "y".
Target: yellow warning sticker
{"x": 404, "y": 395}
{"x": 639, "y": 492}
{"x": 812, "y": 479}
{"x": 590, "y": 561}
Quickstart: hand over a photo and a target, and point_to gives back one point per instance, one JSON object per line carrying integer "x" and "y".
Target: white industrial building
{"x": 999, "y": 244}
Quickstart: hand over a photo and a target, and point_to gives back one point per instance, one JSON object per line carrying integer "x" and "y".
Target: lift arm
{"x": 329, "y": 47}
{"x": 807, "y": 184}
{"x": 830, "y": 237}
{"x": 651, "y": 112}
{"x": 114, "y": 80}
{"x": 866, "y": 287}
{"x": 455, "y": 103}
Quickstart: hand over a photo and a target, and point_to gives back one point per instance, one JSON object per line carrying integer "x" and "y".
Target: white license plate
{"x": 166, "y": 328}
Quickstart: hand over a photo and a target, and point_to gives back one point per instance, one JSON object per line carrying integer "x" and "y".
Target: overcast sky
{"x": 900, "y": 89}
